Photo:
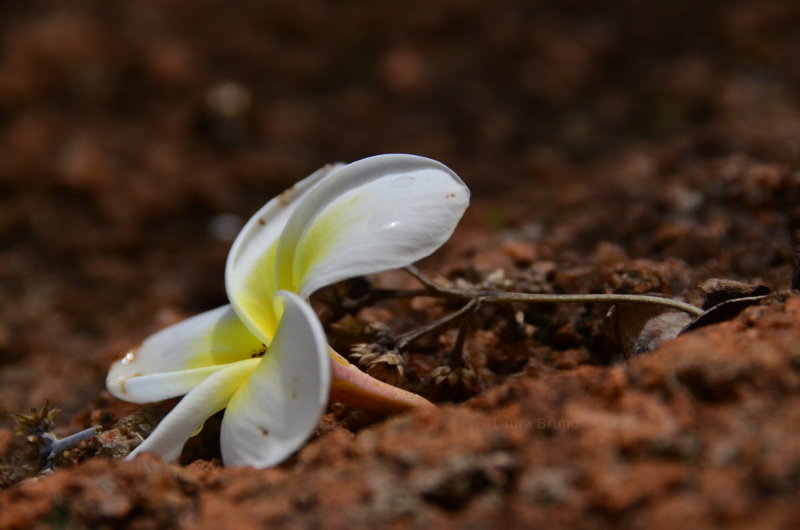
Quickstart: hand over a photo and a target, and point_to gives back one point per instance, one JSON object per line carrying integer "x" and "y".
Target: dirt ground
{"x": 627, "y": 148}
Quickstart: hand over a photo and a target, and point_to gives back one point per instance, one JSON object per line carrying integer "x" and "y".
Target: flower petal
{"x": 250, "y": 270}
{"x": 172, "y": 361}
{"x": 206, "y": 399}
{"x": 279, "y": 406}
{"x": 376, "y": 214}
{"x": 160, "y": 386}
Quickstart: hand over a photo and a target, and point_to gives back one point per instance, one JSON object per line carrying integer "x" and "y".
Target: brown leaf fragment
{"x": 719, "y": 290}
{"x": 796, "y": 269}
{"x": 641, "y": 328}
{"x": 723, "y": 311}
{"x": 725, "y": 299}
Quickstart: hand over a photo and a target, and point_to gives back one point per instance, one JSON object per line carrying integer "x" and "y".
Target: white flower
{"x": 264, "y": 357}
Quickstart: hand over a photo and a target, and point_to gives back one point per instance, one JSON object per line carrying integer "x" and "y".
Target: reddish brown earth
{"x": 628, "y": 148}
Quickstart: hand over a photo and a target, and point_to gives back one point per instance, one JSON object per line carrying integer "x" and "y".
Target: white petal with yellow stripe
{"x": 273, "y": 413}
{"x": 174, "y": 360}
{"x": 250, "y": 269}
{"x": 377, "y": 214}
{"x": 273, "y": 402}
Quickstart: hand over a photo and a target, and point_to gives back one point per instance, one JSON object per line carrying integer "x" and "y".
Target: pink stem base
{"x": 351, "y": 386}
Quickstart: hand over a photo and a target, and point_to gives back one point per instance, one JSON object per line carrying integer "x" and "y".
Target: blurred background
{"x": 136, "y": 137}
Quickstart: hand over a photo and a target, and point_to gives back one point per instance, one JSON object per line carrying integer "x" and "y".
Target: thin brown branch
{"x": 536, "y": 298}
{"x": 406, "y": 338}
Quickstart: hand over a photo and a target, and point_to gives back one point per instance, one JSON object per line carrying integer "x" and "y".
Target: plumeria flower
{"x": 264, "y": 358}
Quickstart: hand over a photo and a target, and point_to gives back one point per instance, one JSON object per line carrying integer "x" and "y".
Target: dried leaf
{"x": 641, "y": 328}
{"x": 725, "y": 300}
{"x": 719, "y": 290}
{"x": 723, "y": 311}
